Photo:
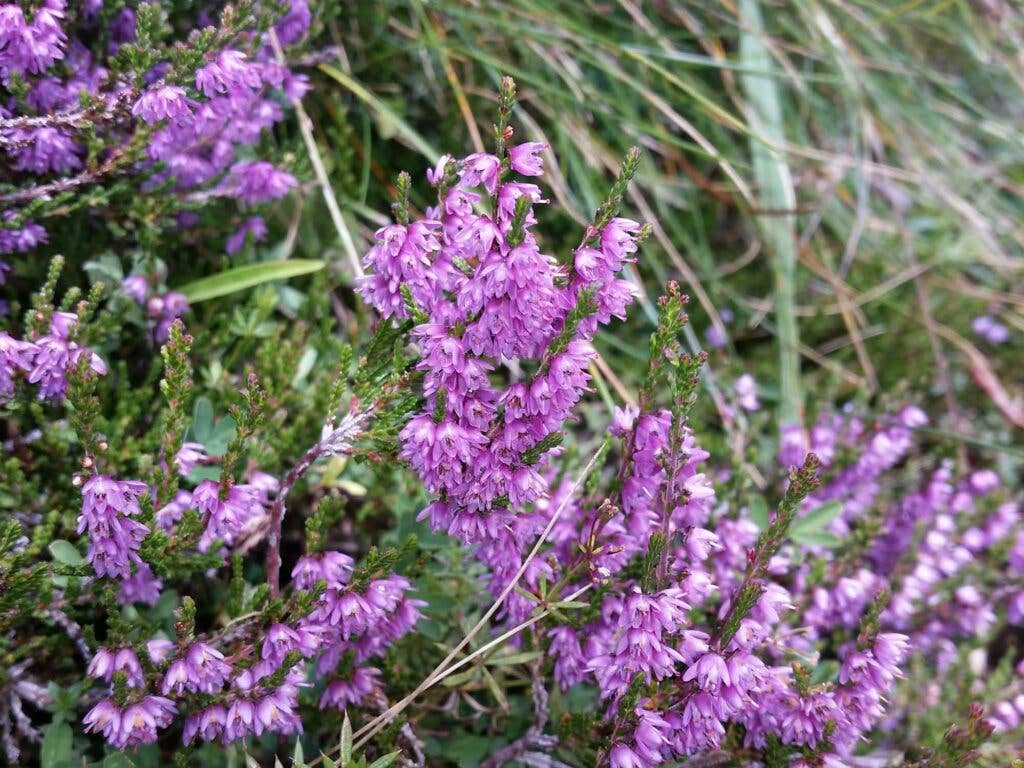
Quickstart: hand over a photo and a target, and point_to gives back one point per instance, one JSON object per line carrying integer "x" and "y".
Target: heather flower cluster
{"x": 256, "y": 688}
{"x": 171, "y": 124}
{"x": 225, "y": 686}
{"x": 486, "y": 296}
{"x": 161, "y": 309}
{"x": 45, "y": 361}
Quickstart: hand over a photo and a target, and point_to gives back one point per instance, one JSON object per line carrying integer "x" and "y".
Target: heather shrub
{"x": 403, "y": 499}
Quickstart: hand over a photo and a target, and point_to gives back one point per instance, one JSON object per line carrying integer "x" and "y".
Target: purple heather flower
{"x": 792, "y": 445}
{"x": 890, "y": 648}
{"x": 106, "y": 663}
{"x": 278, "y": 641}
{"x": 710, "y": 671}
{"x": 275, "y": 713}
{"x": 19, "y": 240}
{"x": 188, "y": 456}
{"x": 990, "y": 329}
{"x": 226, "y": 518}
{"x": 716, "y": 337}
{"x": 159, "y": 649}
{"x": 170, "y": 514}
{"x": 143, "y": 586}
{"x": 201, "y": 669}
{"x": 652, "y": 736}
{"x": 165, "y": 102}
{"x": 341, "y": 694}
{"x": 104, "y": 718}
{"x": 209, "y": 723}
{"x": 172, "y": 306}
{"x": 140, "y": 721}
{"x": 293, "y": 25}
{"x": 114, "y": 537}
{"x": 45, "y": 150}
{"x": 570, "y": 662}
{"x": 136, "y": 287}
{"x": 621, "y": 756}
{"x": 333, "y": 567}
{"x": 481, "y": 169}
{"x": 54, "y": 354}
{"x": 257, "y": 182}
{"x": 229, "y": 72}
{"x": 526, "y": 159}
{"x": 746, "y": 393}
{"x": 15, "y": 356}
{"x": 136, "y": 724}
{"x": 254, "y": 226}
{"x": 241, "y": 720}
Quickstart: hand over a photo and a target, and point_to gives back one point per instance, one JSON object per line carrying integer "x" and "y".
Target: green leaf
{"x": 306, "y": 363}
{"x": 56, "y": 748}
{"x": 816, "y": 520}
{"x": 345, "y": 747}
{"x": 825, "y": 672}
{"x": 513, "y": 658}
{"x": 118, "y": 760}
{"x": 220, "y": 436}
{"x": 198, "y": 474}
{"x": 389, "y": 121}
{"x": 65, "y": 552}
{"x": 758, "y": 511}
{"x": 202, "y": 420}
{"x": 467, "y": 750}
{"x": 385, "y": 760}
{"x": 817, "y": 539}
{"x": 496, "y": 692}
{"x": 462, "y": 677}
{"x": 247, "y": 276}
{"x": 765, "y": 112}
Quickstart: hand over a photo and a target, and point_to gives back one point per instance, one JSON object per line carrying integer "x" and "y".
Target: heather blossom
{"x": 106, "y": 663}
{"x": 990, "y": 329}
{"x": 200, "y": 669}
{"x": 197, "y": 132}
{"x": 256, "y": 182}
{"x": 167, "y": 102}
{"x": 746, "y": 393}
{"x": 229, "y": 517}
{"x": 108, "y": 509}
{"x": 49, "y": 359}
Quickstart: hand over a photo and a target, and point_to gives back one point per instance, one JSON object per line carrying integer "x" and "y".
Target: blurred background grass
{"x": 836, "y": 183}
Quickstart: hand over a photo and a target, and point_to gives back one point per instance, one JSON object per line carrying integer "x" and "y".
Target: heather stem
{"x": 277, "y": 517}
{"x": 801, "y": 483}
{"x": 337, "y": 442}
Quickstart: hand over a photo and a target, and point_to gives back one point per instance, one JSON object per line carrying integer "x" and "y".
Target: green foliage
{"x": 247, "y": 276}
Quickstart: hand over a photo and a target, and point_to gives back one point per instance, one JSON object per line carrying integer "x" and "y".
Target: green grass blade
{"x": 385, "y": 114}
{"x": 775, "y": 193}
{"x": 240, "y": 278}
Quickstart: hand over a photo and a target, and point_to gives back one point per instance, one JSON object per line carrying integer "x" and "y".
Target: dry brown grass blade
{"x": 853, "y": 317}
{"x": 1011, "y": 406}
{"x": 453, "y": 80}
